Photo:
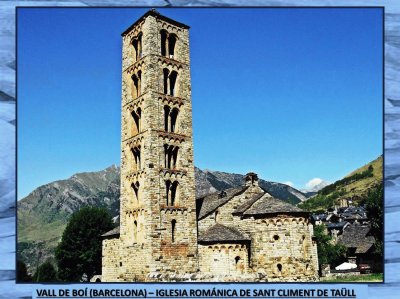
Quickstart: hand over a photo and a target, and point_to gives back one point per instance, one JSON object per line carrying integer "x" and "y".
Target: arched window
{"x": 216, "y": 216}
{"x": 168, "y": 43}
{"x": 279, "y": 266}
{"x": 171, "y": 193}
{"x": 170, "y": 119}
{"x": 135, "y": 231}
{"x": 136, "y": 85}
{"x": 136, "y": 121}
{"x": 166, "y": 81}
{"x": 174, "y": 117}
{"x": 169, "y": 82}
{"x": 171, "y": 45}
{"x": 136, "y": 158}
{"x": 237, "y": 259}
{"x": 170, "y": 156}
{"x": 164, "y": 36}
{"x": 172, "y": 81}
{"x": 135, "y": 191}
{"x": 166, "y": 117}
{"x": 173, "y": 228}
{"x": 174, "y": 195}
{"x": 167, "y": 188}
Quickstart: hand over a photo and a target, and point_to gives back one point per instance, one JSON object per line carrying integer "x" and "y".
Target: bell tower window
{"x": 170, "y": 156}
{"x": 169, "y": 80}
{"x": 136, "y": 158}
{"x": 135, "y": 191}
{"x": 171, "y": 192}
{"x": 136, "y": 85}
{"x": 136, "y": 121}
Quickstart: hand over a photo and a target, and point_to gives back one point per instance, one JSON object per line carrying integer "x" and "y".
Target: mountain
{"x": 44, "y": 213}
{"x": 354, "y": 186}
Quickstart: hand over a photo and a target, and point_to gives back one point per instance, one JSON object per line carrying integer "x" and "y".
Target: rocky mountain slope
{"x": 355, "y": 187}
{"x": 44, "y": 213}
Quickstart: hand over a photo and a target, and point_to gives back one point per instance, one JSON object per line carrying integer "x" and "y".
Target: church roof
{"x": 270, "y": 205}
{"x": 246, "y": 205}
{"x": 113, "y": 232}
{"x": 357, "y": 236}
{"x": 222, "y": 234}
{"x": 209, "y": 203}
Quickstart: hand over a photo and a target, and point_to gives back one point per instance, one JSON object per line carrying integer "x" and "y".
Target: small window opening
{"x": 216, "y": 216}
{"x": 279, "y": 266}
{"x": 172, "y": 81}
{"x": 276, "y": 237}
{"x": 171, "y": 46}
{"x": 135, "y": 188}
{"x": 136, "y": 157}
{"x": 167, "y": 187}
{"x": 171, "y": 192}
{"x": 166, "y": 117}
{"x": 136, "y": 85}
{"x": 173, "y": 116}
{"x": 173, "y": 227}
{"x": 165, "y": 73}
{"x": 170, "y": 156}
{"x": 163, "y": 42}
{"x": 136, "y": 126}
{"x": 135, "y": 231}
{"x": 237, "y": 259}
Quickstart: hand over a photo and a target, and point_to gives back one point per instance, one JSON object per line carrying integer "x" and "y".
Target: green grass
{"x": 376, "y": 277}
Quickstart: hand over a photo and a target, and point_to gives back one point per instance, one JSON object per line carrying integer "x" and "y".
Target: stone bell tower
{"x": 158, "y": 231}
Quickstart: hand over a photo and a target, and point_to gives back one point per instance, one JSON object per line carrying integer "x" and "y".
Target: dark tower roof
{"x": 157, "y": 15}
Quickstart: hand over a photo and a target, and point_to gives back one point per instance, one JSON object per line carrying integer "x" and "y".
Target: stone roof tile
{"x": 211, "y": 202}
{"x": 222, "y": 234}
{"x": 357, "y": 236}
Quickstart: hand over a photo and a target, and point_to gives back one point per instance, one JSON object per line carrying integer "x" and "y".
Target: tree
{"x": 328, "y": 253}
{"x": 22, "y": 273}
{"x": 45, "y": 273}
{"x": 79, "y": 251}
{"x": 374, "y": 209}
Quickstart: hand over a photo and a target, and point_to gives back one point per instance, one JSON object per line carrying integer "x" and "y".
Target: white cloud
{"x": 289, "y": 183}
{"x": 316, "y": 184}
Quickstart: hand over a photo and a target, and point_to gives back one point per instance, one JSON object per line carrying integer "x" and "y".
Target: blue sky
{"x": 292, "y": 94}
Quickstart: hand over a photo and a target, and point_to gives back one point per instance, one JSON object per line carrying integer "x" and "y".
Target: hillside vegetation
{"x": 354, "y": 186}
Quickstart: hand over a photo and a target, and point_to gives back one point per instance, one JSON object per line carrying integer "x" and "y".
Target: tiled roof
{"x": 222, "y": 234}
{"x": 270, "y": 205}
{"x": 246, "y": 205}
{"x": 209, "y": 203}
{"x": 357, "y": 236}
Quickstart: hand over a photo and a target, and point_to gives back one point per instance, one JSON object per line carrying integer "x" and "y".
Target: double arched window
{"x": 170, "y": 156}
{"x": 171, "y": 192}
{"x": 168, "y": 43}
{"x": 170, "y": 79}
{"x": 137, "y": 47}
{"x": 170, "y": 119}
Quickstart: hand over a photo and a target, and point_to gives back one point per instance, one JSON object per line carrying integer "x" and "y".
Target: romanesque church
{"x": 165, "y": 233}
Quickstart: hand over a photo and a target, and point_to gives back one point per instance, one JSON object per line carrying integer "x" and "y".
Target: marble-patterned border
{"x": 8, "y": 288}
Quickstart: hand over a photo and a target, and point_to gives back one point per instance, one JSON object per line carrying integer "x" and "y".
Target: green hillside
{"x": 354, "y": 186}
